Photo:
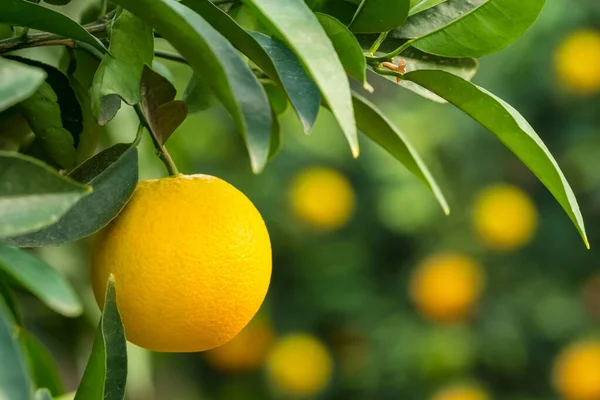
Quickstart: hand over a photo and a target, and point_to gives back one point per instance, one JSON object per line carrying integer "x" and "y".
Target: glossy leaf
{"x": 417, "y": 6}
{"x": 213, "y": 57}
{"x": 272, "y": 56}
{"x": 163, "y": 113}
{"x": 118, "y": 76}
{"x": 44, "y": 369}
{"x": 382, "y": 131}
{"x": 197, "y": 95}
{"x": 299, "y": 27}
{"x": 510, "y": 127}
{"x": 106, "y": 371}
{"x": 70, "y": 109}
{"x": 17, "y": 82}
{"x": 40, "y": 279}
{"x": 15, "y": 383}
{"x": 44, "y": 117}
{"x": 346, "y": 46}
{"x": 24, "y": 13}
{"x": 30, "y": 204}
{"x": 113, "y": 174}
{"x": 374, "y": 16}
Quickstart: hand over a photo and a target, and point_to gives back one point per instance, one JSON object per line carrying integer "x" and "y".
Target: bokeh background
{"x": 375, "y": 293}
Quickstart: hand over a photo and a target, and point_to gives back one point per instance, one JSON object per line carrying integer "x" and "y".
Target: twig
{"x": 378, "y": 42}
{"x": 170, "y": 56}
{"x": 391, "y": 55}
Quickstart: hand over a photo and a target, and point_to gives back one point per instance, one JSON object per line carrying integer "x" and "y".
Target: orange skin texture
{"x": 577, "y": 371}
{"x": 445, "y": 288}
{"x": 191, "y": 258}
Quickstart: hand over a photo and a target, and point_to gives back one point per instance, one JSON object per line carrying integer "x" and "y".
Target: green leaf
{"x": 163, "y": 113}
{"x": 88, "y": 140}
{"x": 510, "y": 127}
{"x": 417, "y": 6}
{"x": 214, "y": 58}
{"x": 197, "y": 95}
{"x": 301, "y": 30}
{"x": 275, "y": 145}
{"x": 14, "y": 130}
{"x": 347, "y": 47}
{"x": 382, "y": 131}
{"x": 8, "y": 295}
{"x": 43, "y": 115}
{"x": 17, "y": 82}
{"x": 30, "y": 204}
{"x": 272, "y": 56}
{"x": 44, "y": 369}
{"x": 485, "y": 29}
{"x": 70, "y": 109}
{"x": 58, "y": 2}
{"x": 374, "y": 16}
{"x": 118, "y": 76}
{"x": 15, "y": 383}
{"x": 106, "y": 372}
{"x": 113, "y": 174}
{"x": 24, "y": 13}
{"x": 40, "y": 279}
{"x": 43, "y": 394}
{"x": 276, "y": 96}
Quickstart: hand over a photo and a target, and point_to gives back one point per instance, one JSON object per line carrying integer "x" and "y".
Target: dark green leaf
{"x": 382, "y": 131}
{"x": 272, "y": 56}
{"x": 417, "y": 6}
{"x": 6, "y": 31}
{"x": 113, "y": 174}
{"x": 7, "y": 294}
{"x": 30, "y": 204}
{"x": 301, "y": 30}
{"x": 163, "y": 113}
{"x": 43, "y": 115}
{"x": 88, "y": 140}
{"x": 106, "y": 372}
{"x": 347, "y": 48}
{"x": 214, "y": 58}
{"x": 510, "y": 127}
{"x": 118, "y": 76}
{"x": 15, "y": 383}
{"x": 341, "y": 10}
{"x": 374, "y": 16}
{"x": 197, "y": 95}
{"x": 24, "y": 13}
{"x": 17, "y": 82}
{"x": 70, "y": 109}
{"x": 44, "y": 369}
{"x": 40, "y": 279}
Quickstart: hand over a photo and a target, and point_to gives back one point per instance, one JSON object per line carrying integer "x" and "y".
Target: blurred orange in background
{"x": 577, "y": 371}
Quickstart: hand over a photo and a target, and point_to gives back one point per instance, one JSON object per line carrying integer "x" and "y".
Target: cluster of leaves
{"x": 253, "y": 57}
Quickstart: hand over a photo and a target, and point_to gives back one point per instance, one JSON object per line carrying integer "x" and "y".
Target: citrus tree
{"x": 254, "y": 57}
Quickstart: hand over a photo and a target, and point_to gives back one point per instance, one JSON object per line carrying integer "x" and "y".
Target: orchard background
{"x": 375, "y": 293}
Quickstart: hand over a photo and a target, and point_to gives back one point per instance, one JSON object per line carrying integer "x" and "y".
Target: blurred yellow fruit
{"x": 461, "y": 392}
{"x": 446, "y": 287}
{"x": 577, "y": 371}
{"x": 245, "y": 352}
{"x": 192, "y": 261}
{"x": 505, "y": 217}
{"x": 322, "y": 197}
{"x": 577, "y": 61}
{"x": 300, "y": 365}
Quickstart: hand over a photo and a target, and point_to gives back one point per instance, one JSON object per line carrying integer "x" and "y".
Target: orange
{"x": 577, "y": 61}
{"x": 191, "y": 258}
{"x": 446, "y": 287}
{"x": 300, "y": 365}
{"x": 577, "y": 371}
{"x": 461, "y": 392}
{"x": 245, "y": 352}
{"x": 505, "y": 217}
{"x": 322, "y": 198}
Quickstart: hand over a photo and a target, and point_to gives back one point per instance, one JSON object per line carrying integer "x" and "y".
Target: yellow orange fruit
{"x": 192, "y": 261}
{"x": 246, "y": 352}
{"x": 505, "y": 217}
{"x": 300, "y": 365}
{"x": 576, "y": 373}
{"x": 461, "y": 392}
{"x": 577, "y": 61}
{"x": 322, "y": 198}
{"x": 446, "y": 287}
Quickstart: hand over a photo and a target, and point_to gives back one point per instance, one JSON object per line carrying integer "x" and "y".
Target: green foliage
{"x": 18, "y": 82}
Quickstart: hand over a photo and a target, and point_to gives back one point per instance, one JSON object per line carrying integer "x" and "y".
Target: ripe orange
{"x": 192, "y": 261}
{"x": 576, "y": 371}
{"x": 577, "y": 61}
{"x": 446, "y": 287}
{"x": 322, "y": 198}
